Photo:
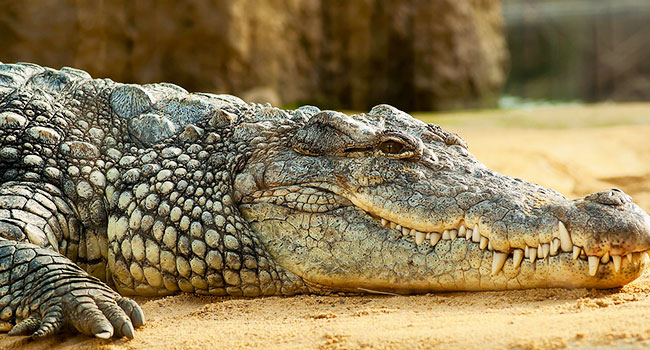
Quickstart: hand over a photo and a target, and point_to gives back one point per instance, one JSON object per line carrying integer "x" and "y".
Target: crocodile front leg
{"x": 42, "y": 291}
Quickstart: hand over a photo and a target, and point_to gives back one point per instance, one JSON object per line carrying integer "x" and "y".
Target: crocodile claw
{"x": 103, "y": 316}
{"x": 133, "y": 310}
{"x": 88, "y": 311}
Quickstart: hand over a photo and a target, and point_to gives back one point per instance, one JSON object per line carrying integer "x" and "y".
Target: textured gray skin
{"x": 149, "y": 190}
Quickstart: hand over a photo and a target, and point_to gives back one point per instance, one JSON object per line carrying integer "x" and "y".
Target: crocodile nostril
{"x": 614, "y": 197}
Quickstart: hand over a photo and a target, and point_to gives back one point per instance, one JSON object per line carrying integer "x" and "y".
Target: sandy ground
{"x": 576, "y": 150}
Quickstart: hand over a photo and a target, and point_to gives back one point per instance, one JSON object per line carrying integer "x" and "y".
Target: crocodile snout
{"x": 607, "y": 223}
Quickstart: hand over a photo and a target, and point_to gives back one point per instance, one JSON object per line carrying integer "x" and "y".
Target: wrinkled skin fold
{"x": 109, "y": 190}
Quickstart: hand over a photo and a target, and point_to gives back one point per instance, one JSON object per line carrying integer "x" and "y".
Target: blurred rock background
{"x": 415, "y": 54}
{"x": 578, "y": 50}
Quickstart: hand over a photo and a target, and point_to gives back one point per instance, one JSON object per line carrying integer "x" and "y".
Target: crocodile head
{"x": 384, "y": 202}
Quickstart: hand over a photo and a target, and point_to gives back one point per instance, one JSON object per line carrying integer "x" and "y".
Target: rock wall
{"x": 417, "y": 54}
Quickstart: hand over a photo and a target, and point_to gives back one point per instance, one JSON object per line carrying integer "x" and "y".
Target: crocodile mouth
{"x": 562, "y": 244}
{"x": 323, "y": 198}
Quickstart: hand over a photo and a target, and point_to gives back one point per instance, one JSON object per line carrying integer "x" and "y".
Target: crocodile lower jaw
{"x": 557, "y": 245}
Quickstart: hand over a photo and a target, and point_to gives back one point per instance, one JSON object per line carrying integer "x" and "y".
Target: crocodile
{"x": 110, "y": 190}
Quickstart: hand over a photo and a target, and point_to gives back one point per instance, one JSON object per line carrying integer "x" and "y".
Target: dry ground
{"x": 574, "y": 149}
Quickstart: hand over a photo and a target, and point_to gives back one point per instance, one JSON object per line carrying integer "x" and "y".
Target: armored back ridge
{"x": 151, "y": 190}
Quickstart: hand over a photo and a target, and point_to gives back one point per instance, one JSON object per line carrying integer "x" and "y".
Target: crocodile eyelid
{"x": 389, "y": 141}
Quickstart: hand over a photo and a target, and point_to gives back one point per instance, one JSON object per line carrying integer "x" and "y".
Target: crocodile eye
{"x": 391, "y": 147}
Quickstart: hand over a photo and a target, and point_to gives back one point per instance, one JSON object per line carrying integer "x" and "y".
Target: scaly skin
{"x": 149, "y": 190}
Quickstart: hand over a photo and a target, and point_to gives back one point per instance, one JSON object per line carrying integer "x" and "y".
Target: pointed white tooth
{"x": 644, "y": 258}
{"x": 435, "y": 237}
{"x": 517, "y": 256}
{"x": 629, "y": 257}
{"x": 392, "y": 224}
{"x": 555, "y": 246}
{"x": 546, "y": 248}
{"x": 576, "y": 252}
{"x": 384, "y": 222}
{"x": 476, "y": 235}
{"x": 428, "y": 236}
{"x": 419, "y": 237}
{"x": 593, "y": 264}
{"x": 453, "y": 234}
{"x": 408, "y": 231}
{"x": 532, "y": 254}
{"x": 398, "y": 227}
{"x": 605, "y": 258}
{"x": 445, "y": 234}
{"x": 565, "y": 239}
{"x": 527, "y": 251}
{"x": 461, "y": 231}
{"x": 476, "y": 229}
{"x": 468, "y": 234}
{"x": 498, "y": 259}
{"x": 490, "y": 245}
{"x": 617, "y": 262}
{"x": 484, "y": 243}
{"x": 540, "y": 252}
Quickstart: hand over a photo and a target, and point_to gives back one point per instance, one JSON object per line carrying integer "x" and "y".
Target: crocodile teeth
{"x": 576, "y": 252}
{"x": 419, "y": 237}
{"x": 445, "y": 234}
{"x": 629, "y": 257}
{"x": 461, "y": 231}
{"x": 527, "y": 251}
{"x": 565, "y": 238}
{"x": 453, "y": 234}
{"x": 468, "y": 234}
{"x": 546, "y": 248}
{"x": 490, "y": 246}
{"x": 392, "y": 224}
{"x": 593, "y": 265}
{"x": 484, "y": 243}
{"x": 532, "y": 254}
{"x": 540, "y": 252}
{"x": 605, "y": 258}
{"x": 435, "y": 237}
{"x": 476, "y": 235}
{"x": 398, "y": 227}
{"x": 384, "y": 222}
{"x": 407, "y": 231}
{"x": 617, "y": 262}
{"x": 555, "y": 246}
{"x": 517, "y": 256}
{"x": 498, "y": 259}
